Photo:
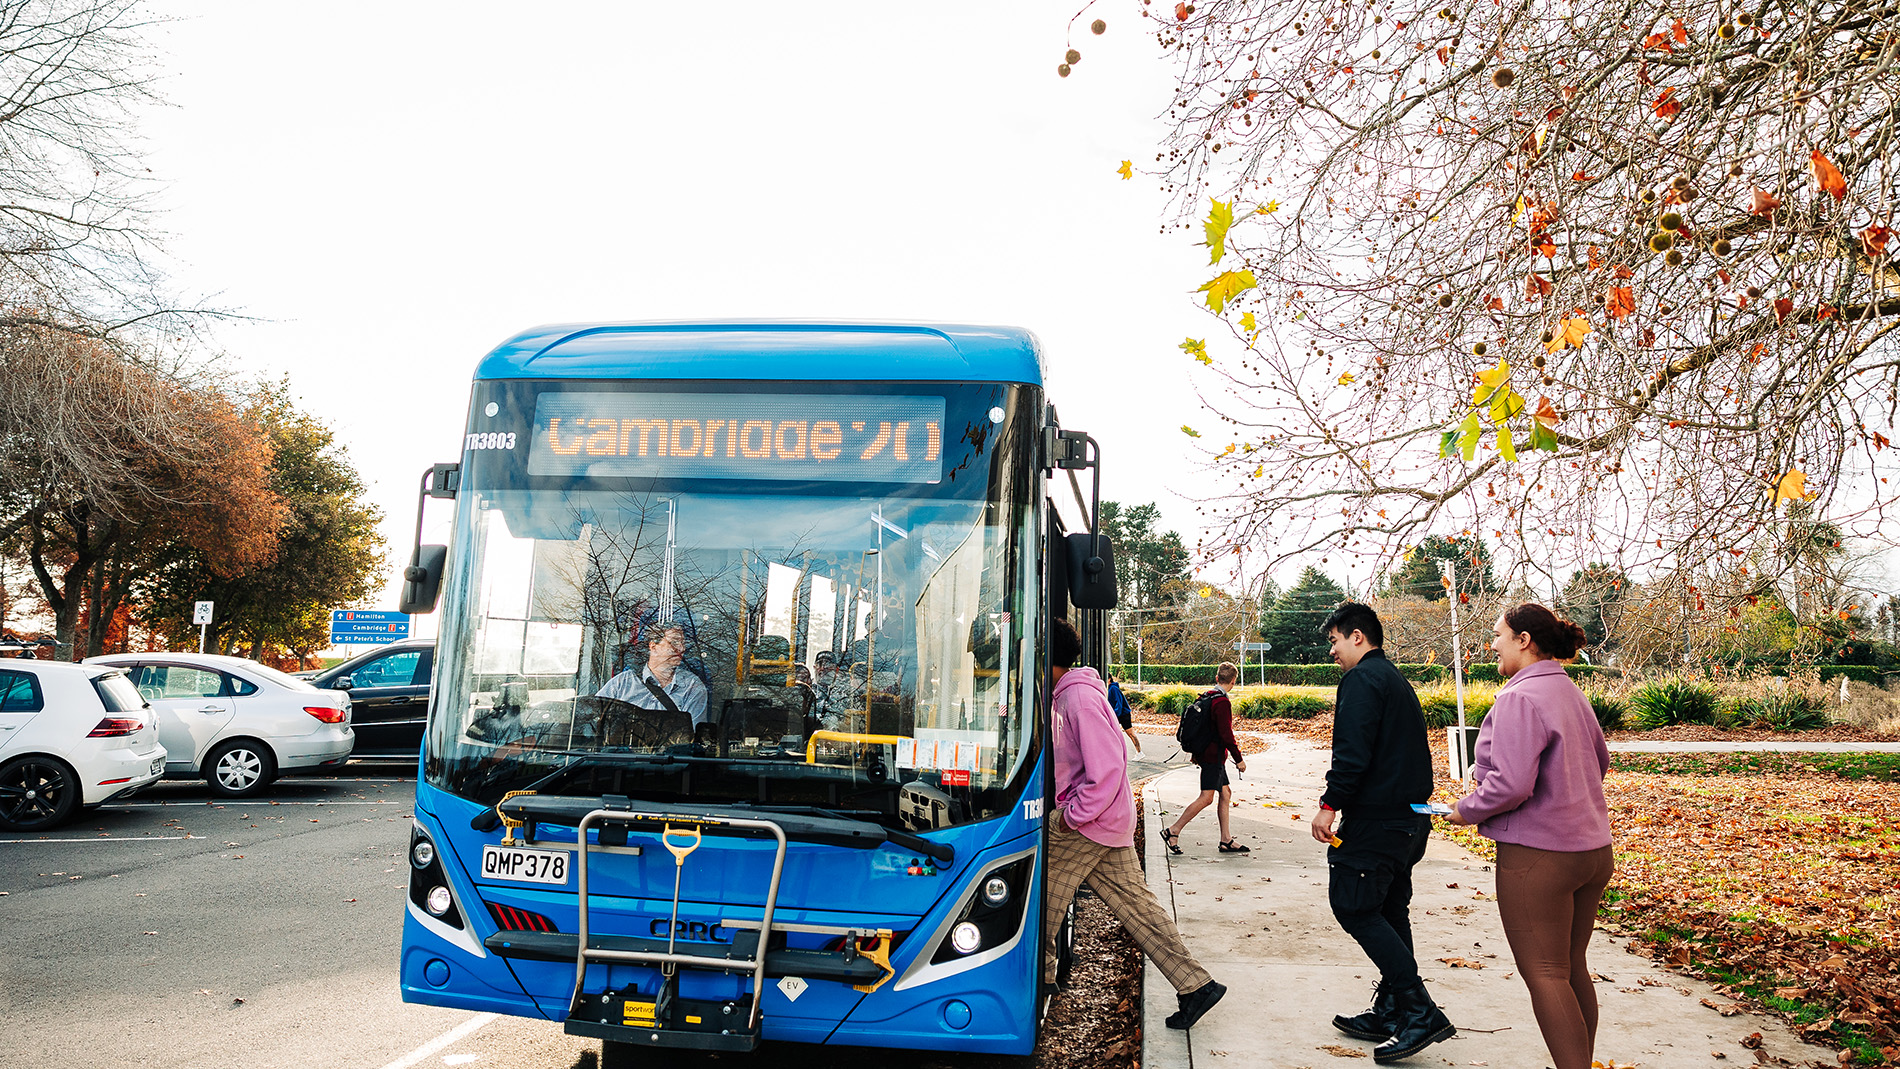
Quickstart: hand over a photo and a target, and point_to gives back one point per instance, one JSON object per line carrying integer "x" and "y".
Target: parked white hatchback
{"x": 235, "y": 723}
{"x": 71, "y": 736}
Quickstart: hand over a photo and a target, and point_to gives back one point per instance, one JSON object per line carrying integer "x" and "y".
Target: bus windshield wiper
{"x": 489, "y": 819}
{"x": 942, "y": 852}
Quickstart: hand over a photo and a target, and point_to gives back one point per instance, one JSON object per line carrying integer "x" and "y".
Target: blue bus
{"x": 740, "y": 700}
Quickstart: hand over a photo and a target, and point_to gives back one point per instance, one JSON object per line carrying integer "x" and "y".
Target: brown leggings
{"x": 1548, "y": 902}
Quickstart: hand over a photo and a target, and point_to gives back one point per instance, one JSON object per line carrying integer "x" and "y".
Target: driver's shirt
{"x": 686, "y": 690}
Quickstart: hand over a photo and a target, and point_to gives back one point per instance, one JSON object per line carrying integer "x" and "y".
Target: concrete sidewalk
{"x": 1260, "y": 923}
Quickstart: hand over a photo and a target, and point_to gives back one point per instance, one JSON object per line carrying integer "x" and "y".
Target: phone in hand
{"x": 1436, "y": 809}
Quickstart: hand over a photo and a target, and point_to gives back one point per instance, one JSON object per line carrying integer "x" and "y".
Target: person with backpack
{"x": 1090, "y": 833}
{"x": 1207, "y": 736}
{"x": 1124, "y": 714}
{"x": 1381, "y": 767}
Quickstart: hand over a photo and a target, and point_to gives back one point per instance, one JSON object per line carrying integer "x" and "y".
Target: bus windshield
{"x": 752, "y": 595}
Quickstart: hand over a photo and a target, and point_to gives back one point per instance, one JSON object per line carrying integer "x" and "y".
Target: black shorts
{"x": 1214, "y": 776}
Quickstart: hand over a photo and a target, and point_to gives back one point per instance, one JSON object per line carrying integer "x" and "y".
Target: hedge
{"x": 1327, "y": 675}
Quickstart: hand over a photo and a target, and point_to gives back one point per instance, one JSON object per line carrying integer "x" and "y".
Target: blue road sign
{"x": 357, "y": 627}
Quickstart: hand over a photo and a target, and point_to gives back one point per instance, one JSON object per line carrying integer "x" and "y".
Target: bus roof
{"x": 774, "y": 349}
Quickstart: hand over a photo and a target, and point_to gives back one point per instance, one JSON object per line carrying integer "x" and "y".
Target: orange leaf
{"x": 1658, "y": 40}
{"x": 1783, "y": 307}
{"x": 1826, "y": 311}
{"x": 1792, "y": 487}
{"x": 1680, "y": 31}
{"x": 1535, "y": 287}
{"x": 1621, "y": 303}
{"x": 1826, "y": 175}
{"x": 1763, "y": 203}
{"x": 1570, "y": 332}
{"x": 1596, "y": 260}
{"x": 1622, "y": 272}
{"x": 1649, "y": 337}
{"x": 1544, "y": 246}
{"x": 1444, "y": 55}
{"x": 1182, "y": 11}
{"x": 1880, "y": 440}
{"x": 1494, "y": 302}
{"x": 1873, "y": 240}
{"x": 1546, "y": 413}
{"x": 1666, "y": 105}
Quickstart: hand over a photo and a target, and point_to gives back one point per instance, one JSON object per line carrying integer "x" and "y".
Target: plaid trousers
{"x": 1114, "y": 873}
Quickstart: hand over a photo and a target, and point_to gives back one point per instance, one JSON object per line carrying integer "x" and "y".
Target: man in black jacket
{"x": 1381, "y": 766}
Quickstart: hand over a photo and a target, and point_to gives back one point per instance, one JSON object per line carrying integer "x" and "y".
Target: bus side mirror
{"x": 1091, "y": 571}
{"x": 422, "y": 580}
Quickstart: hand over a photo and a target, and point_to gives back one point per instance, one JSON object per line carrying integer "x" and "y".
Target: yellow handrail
{"x": 811, "y": 744}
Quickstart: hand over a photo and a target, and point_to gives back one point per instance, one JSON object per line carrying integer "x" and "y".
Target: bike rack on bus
{"x": 595, "y": 1015}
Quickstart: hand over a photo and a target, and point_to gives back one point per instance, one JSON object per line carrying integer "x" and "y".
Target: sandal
{"x": 1232, "y": 846}
{"x": 1172, "y": 839}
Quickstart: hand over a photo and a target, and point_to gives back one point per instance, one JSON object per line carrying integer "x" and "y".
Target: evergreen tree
{"x": 1420, "y": 576}
{"x": 1292, "y": 622}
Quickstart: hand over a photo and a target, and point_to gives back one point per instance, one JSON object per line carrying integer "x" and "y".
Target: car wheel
{"x": 37, "y": 793}
{"x": 240, "y": 768}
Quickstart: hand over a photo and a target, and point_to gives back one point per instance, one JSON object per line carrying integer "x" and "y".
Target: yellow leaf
{"x": 1225, "y": 287}
{"x": 1345, "y": 379}
{"x": 1268, "y": 208}
{"x": 1126, "y": 170}
{"x": 1196, "y": 348}
{"x": 1489, "y": 380}
{"x": 1189, "y": 431}
{"x": 1792, "y": 486}
{"x": 1519, "y": 210}
{"x": 1207, "y": 591}
{"x": 1246, "y": 321}
{"x": 1220, "y": 218}
{"x": 1570, "y": 332}
{"x": 1258, "y": 470}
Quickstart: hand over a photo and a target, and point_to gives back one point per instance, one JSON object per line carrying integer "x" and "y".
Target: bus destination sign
{"x": 739, "y": 436}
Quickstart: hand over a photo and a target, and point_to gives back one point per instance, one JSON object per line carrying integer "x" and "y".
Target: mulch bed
{"x": 1096, "y": 1023}
{"x": 1705, "y": 733}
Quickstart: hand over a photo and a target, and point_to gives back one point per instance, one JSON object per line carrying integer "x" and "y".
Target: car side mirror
{"x": 343, "y": 683}
{"x": 422, "y": 580}
{"x": 1091, "y": 561}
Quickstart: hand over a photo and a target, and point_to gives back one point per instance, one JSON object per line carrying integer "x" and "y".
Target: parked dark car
{"x": 389, "y": 696}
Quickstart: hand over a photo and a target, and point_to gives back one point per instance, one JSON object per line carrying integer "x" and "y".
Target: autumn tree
{"x": 102, "y": 456}
{"x": 1600, "y": 281}
{"x": 327, "y": 554}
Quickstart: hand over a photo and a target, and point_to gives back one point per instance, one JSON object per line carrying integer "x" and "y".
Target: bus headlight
{"x": 428, "y": 883}
{"x": 995, "y": 891}
{"x": 422, "y": 854}
{"x": 966, "y": 937}
{"x": 440, "y": 901}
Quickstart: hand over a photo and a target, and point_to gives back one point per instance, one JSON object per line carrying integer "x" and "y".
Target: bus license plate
{"x": 524, "y": 866}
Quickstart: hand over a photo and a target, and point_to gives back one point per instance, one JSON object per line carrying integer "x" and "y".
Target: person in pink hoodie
{"x": 1090, "y": 835}
{"x": 1538, "y": 769}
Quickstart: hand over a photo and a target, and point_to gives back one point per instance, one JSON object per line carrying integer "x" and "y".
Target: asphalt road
{"x": 178, "y": 931}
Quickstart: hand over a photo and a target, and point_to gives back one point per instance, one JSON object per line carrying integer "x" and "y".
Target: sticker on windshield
{"x": 926, "y": 754}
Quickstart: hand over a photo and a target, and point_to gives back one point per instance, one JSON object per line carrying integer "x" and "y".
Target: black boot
{"x": 1417, "y": 1023}
{"x": 1374, "y": 1025}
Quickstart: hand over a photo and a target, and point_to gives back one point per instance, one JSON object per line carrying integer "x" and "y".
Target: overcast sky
{"x": 390, "y": 190}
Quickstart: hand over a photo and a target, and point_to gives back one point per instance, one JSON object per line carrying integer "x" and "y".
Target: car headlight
{"x": 439, "y": 901}
{"x": 966, "y": 937}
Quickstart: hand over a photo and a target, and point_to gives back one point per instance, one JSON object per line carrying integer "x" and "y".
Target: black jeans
{"x": 1371, "y": 889}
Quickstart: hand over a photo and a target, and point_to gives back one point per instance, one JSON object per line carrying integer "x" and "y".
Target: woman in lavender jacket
{"x": 1539, "y": 769}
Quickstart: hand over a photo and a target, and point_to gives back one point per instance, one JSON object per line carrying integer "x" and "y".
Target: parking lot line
{"x": 104, "y": 839}
{"x": 228, "y": 805}
{"x": 453, "y": 1035}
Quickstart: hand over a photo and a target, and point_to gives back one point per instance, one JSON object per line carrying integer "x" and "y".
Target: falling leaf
{"x": 1581, "y": 177}
{"x": 1220, "y": 219}
{"x": 1225, "y": 287}
{"x": 1826, "y": 175}
{"x": 1763, "y": 203}
{"x": 1346, "y": 378}
{"x": 1792, "y": 486}
{"x": 1196, "y": 348}
{"x": 1494, "y": 302}
{"x": 1207, "y": 591}
{"x": 1126, "y": 170}
{"x": 1622, "y": 302}
{"x": 1268, "y": 208}
{"x": 1189, "y": 431}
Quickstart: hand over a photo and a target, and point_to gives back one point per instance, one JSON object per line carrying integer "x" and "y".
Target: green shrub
{"x": 1439, "y": 703}
{"x": 1138, "y": 697}
{"x": 1663, "y": 702}
{"x": 1327, "y": 675}
{"x": 1783, "y": 709}
{"x": 1170, "y": 701}
{"x": 1611, "y": 710}
{"x": 1284, "y": 703}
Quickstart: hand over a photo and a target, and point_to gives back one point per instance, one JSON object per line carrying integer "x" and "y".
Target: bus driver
{"x": 661, "y": 676}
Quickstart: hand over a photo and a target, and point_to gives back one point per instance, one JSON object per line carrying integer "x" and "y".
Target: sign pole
{"x": 1459, "y": 762}
{"x": 201, "y": 615}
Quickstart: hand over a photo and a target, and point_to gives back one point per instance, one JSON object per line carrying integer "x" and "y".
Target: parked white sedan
{"x": 71, "y": 735}
{"x": 235, "y": 723}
